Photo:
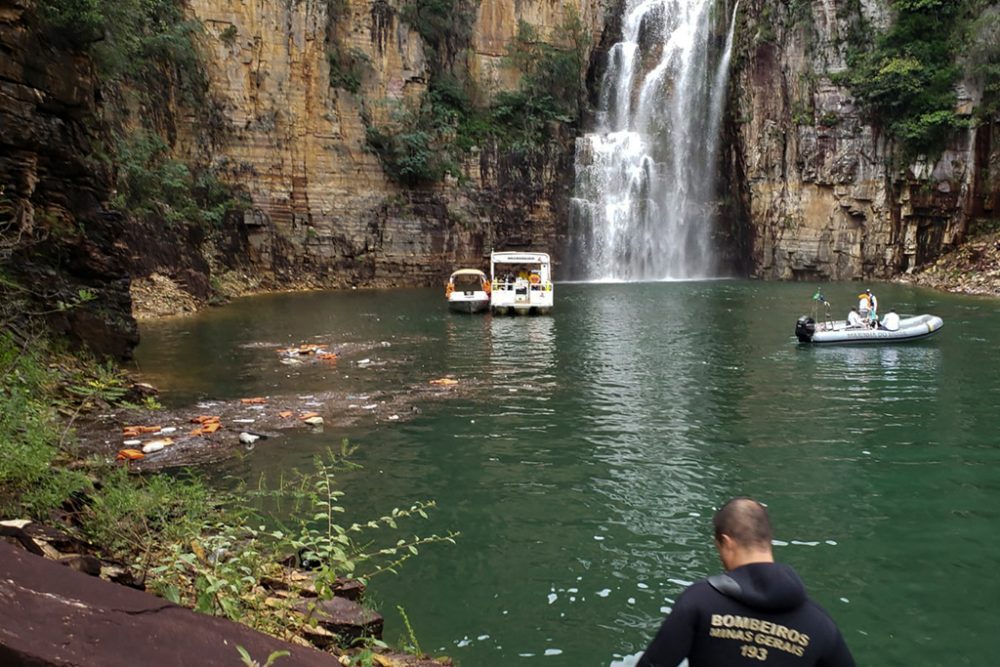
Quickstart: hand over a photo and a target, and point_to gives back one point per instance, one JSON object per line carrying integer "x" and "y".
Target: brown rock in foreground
{"x": 52, "y": 615}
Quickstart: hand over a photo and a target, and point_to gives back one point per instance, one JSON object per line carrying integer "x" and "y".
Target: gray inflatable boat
{"x": 911, "y": 327}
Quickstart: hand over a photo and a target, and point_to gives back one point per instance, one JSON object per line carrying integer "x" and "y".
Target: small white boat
{"x": 911, "y": 327}
{"x": 468, "y": 291}
{"x": 522, "y": 283}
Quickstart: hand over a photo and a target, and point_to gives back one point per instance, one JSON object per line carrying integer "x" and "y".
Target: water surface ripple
{"x": 586, "y": 453}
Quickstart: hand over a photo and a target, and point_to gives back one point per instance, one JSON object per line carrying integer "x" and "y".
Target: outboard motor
{"x": 805, "y": 327}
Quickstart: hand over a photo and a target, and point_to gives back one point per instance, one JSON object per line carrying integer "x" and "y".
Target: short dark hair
{"x": 745, "y": 521}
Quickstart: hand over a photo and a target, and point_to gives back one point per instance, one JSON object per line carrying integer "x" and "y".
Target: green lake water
{"x": 586, "y": 452}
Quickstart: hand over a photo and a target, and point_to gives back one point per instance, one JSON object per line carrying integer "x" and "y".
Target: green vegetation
{"x": 346, "y": 69}
{"x": 29, "y": 432}
{"x": 145, "y": 41}
{"x": 981, "y": 55}
{"x": 444, "y": 25}
{"x": 422, "y": 144}
{"x": 193, "y": 545}
{"x": 152, "y": 184}
{"x": 147, "y": 54}
{"x": 228, "y": 36}
{"x": 905, "y": 78}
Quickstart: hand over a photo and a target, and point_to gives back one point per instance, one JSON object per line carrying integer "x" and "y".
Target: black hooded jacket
{"x": 758, "y": 614}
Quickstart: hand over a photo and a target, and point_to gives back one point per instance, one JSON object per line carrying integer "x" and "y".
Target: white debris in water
{"x": 642, "y": 585}
{"x": 665, "y": 610}
{"x": 631, "y": 600}
{"x": 831, "y": 543}
{"x": 526, "y": 655}
{"x": 680, "y": 582}
{"x": 866, "y": 452}
{"x": 572, "y": 598}
{"x": 167, "y": 430}
{"x": 805, "y": 544}
{"x": 370, "y": 406}
{"x": 244, "y": 421}
{"x": 599, "y": 538}
{"x": 628, "y": 660}
{"x": 553, "y": 651}
{"x": 845, "y": 600}
{"x": 482, "y": 637}
{"x": 603, "y": 593}
{"x": 572, "y": 590}
{"x": 694, "y": 514}
{"x": 463, "y": 642}
{"x": 132, "y": 443}
{"x": 779, "y": 543}
{"x": 553, "y": 597}
{"x": 393, "y": 418}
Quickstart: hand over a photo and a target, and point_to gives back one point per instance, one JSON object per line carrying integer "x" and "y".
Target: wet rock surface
{"x": 61, "y": 547}
{"x": 52, "y": 615}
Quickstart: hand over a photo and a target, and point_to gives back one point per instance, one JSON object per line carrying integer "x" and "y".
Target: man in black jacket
{"x": 757, "y": 613}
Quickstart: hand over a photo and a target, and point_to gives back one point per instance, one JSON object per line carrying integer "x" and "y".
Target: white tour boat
{"x": 522, "y": 283}
{"x": 468, "y": 291}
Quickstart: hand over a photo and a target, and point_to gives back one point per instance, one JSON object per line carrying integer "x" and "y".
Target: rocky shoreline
{"x": 971, "y": 268}
{"x": 327, "y": 625}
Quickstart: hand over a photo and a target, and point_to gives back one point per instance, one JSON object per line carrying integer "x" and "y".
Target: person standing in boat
{"x": 872, "y": 308}
{"x": 868, "y": 307}
{"x": 757, "y": 613}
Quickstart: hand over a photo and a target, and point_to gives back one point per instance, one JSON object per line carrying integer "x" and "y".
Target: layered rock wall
{"x": 60, "y": 251}
{"x": 323, "y": 209}
{"x": 823, "y": 191}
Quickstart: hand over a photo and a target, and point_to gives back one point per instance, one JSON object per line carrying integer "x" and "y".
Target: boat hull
{"x": 469, "y": 305}
{"x": 838, "y": 333}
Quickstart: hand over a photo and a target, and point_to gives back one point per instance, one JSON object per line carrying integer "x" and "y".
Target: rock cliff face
{"x": 60, "y": 255}
{"x": 323, "y": 209}
{"x": 823, "y": 192}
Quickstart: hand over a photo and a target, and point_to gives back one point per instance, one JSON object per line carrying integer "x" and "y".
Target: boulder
{"x": 345, "y": 618}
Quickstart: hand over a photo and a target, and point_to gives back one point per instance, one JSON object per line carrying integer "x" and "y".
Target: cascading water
{"x": 645, "y": 179}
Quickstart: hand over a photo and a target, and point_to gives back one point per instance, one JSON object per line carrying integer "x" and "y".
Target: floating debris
{"x": 130, "y": 455}
{"x": 132, "y": 431}
{"x": 249, "y": 438}
{"x": 444, "y": 382}
{"x": 256, "y": 400}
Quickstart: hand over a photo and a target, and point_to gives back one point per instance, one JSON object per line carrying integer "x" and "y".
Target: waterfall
{"x": 645, "y": 178}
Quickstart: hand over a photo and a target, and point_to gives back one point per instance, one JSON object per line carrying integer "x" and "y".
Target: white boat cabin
{"x": 522, "y": 283}
{"x": 468, "y": 291}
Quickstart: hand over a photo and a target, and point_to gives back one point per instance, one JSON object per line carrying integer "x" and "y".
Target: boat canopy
{"x": 519, "y": 258}
{"x": 468, "y": 272}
